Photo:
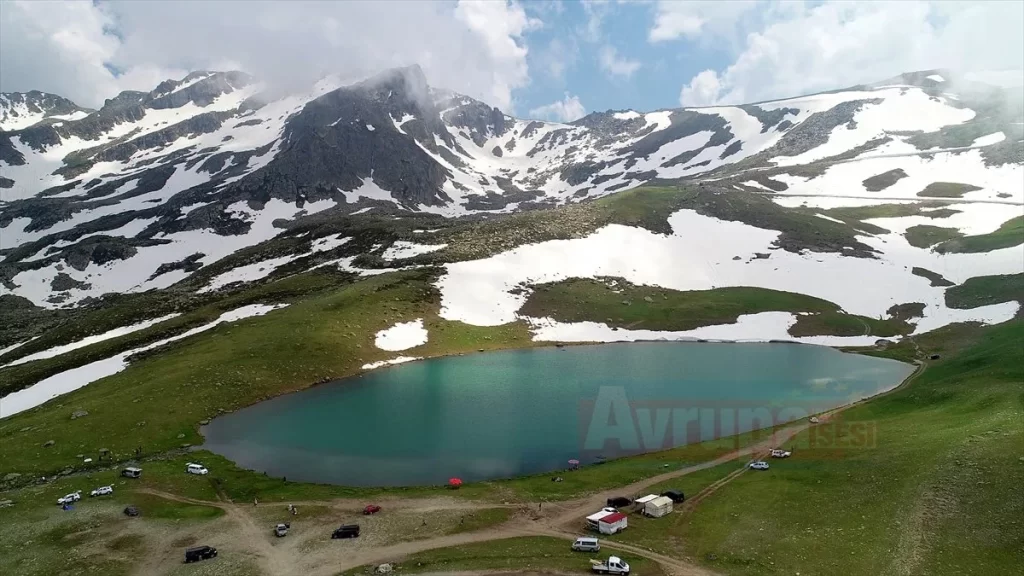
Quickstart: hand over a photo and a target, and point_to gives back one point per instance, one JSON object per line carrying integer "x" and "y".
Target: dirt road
{"x": 309, "y": 552}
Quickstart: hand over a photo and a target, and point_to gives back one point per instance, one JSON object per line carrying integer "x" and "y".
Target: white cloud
{"x": 595, "y": 11}
{"x": 616, "y": 65}
{"x": 566, "y": 110}
{"x": 557, "y": 56}
{"x": 704, "y": 88}
{"x": 477, "y": 48}
{"x": 674, "y": 19}
{"x": 804, "y": 50}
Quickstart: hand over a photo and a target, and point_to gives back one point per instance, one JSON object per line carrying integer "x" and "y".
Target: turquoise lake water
{"x": 502, "y": 414}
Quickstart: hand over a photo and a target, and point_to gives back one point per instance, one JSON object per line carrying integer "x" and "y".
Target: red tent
{"x": 454, "y": 482}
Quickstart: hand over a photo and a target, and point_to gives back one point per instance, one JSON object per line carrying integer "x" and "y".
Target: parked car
{"x": 371, "y": 509}
{"x": 586, "y": 545}
{"x": 779, "y": 453}
{"x": 69, "y": 498}
{"x": 676, "y": 496}
{"x": 131, "y": 511}
{"x": 618, "y": 502}
{"x": 759, "y": 465}
{"x": 281, "y": 529}
{"x": 196, "y": 469}
{"x": 200, "y": 553}
{"x": 131, "y": 472}
{"x": 102, "y": 491}
{"x": 346, "y": 531}
{"x": 614, "y": 565}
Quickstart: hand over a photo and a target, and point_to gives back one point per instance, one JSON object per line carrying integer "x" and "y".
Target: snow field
{"x": 75, "y": 378}
{"x": 116, "y": 332}
{"x": 402, "y": 336}
{"x": 699, "y": 256}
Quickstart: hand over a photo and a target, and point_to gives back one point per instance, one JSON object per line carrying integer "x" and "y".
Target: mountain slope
{"x": 153, "y": 186}
{"x": 20, "y": 110}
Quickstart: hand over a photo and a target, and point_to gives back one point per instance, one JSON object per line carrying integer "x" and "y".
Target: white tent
{"x": 658, "y": 507}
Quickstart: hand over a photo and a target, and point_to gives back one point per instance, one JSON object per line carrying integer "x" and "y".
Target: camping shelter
{"x": 658, "y": 507}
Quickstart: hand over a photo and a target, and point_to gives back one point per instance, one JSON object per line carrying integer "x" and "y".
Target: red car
{"x": 371, "y": 509}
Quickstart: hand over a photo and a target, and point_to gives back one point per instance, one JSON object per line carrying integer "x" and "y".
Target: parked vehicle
{"x": 619, "y": 502}
{"x": 198, "y": 553}
{"x": 607, "y": 521}
{"x": 778, "y": 453}
{"x": 131, "y": 511}
{"x": 131, "y": 472}
{"x": 759, "y": 465}
{"x": 69, "y": 498}
{"x": 346, "y": 531}
{"x": 196, "y": 469}
{"x": 281, "y": 529}
{"x": 371, "y": 509}
{"x": 102, "y": 491}
{"x": 586, "y": 545}
{"x": 614, "y": 565}
{"x": 814, "y": 420}
{"x": 677, "y": 496}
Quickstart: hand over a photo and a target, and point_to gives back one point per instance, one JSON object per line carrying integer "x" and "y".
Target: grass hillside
{"x": 936, "y": 491}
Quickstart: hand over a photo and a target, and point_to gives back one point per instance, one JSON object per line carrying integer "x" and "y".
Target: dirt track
{"x": 303, "y": 552}
{"x": 292, "y": 555}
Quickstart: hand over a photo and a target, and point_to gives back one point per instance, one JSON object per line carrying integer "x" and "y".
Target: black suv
{"x": 618, "y": 502}
{"x": 346, "y": 531}
{"x": 200, "y": 553}
{"x": 676, "y": 495}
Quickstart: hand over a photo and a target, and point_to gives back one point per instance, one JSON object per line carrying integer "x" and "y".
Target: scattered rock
{"x": 79, "y": 414}
{"x": 204, "y": 422}
{"x": 25, "y": 429}
{"x": 384, "y": 569}
{"x": 79, "y": 455}
{"x": 12, "y": 476}
{"x": 648, "y": 299}
{"x": 180, "y": 436}
{"x": 6, "y": 503}
{"x": 49, "y": 443}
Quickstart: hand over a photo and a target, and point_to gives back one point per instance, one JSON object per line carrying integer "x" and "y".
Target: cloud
{"x": 702, "y": 90}
{"x": 566, "y": 110}
{"x": 674, "y": 20}
{"x": 557, "y": 56}
{"x": 475, "y": 47}
{"x": 803, "y": 50}
{"x": 595, "y": 11}
{"x": 616, "y": 65}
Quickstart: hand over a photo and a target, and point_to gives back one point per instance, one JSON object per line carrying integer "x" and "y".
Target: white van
{"x": 196, "y": 469}
{"x": 586, "y": 545}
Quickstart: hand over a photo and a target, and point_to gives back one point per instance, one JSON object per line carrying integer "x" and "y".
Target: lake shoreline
{"x": 516, "y": 394}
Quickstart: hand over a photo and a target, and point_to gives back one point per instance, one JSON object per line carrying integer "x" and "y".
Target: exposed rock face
{"x": 202, "y": 155}
{"x": 19, "y": 110}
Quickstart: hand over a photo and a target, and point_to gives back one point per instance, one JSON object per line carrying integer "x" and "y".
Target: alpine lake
{"x": 516, "y": 412}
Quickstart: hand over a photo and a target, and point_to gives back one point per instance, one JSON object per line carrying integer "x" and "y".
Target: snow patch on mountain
{"x": 402, "y": 336}
{"x": 699, "y": 254}
{"x": 89, "y": 340}
{"x": 402, "y": 249}
{"x": 761, "y": 327}
{"x": 75, "y": 378}
{"x": 965, "y": 167}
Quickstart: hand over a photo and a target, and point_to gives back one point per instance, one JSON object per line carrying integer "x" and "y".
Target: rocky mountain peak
{"x": 20, "y": 110}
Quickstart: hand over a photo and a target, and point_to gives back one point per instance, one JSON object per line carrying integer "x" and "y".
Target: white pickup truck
{"x": 614, "y": 565}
